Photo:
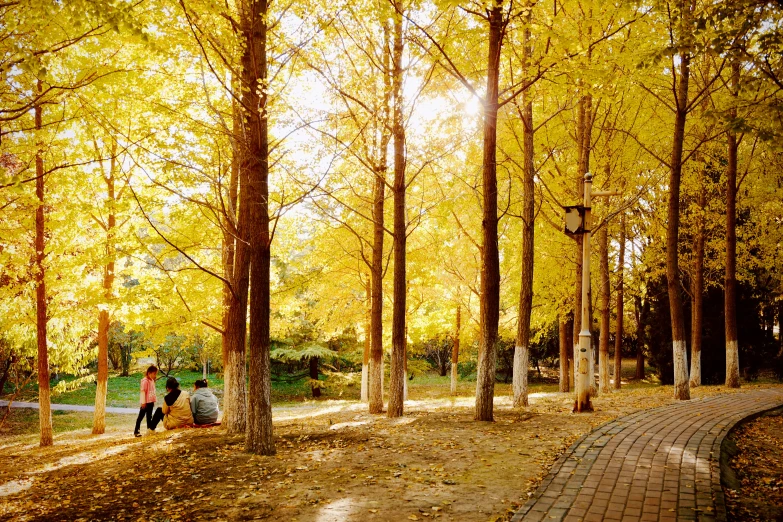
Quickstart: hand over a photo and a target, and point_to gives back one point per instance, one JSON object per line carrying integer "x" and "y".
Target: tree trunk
{"x": 42, "y": 318}
{"x": 681, "y": 388}
{"x": 230, "y": 226}
{"x": 569, "y": 343}
{"x": 379, "y": 189}
{"x": 405, "y": 365}
{"x": 583, "y": 311}
{"x": 780, "y": 330}
{"x": 4, "y": 375}
{"x": 234, "y": 398}
{"x": 99, "y": 416}
{"x": 365, "y": 394}
{"x": 258, "y": 436}
{"x": 603, "y": 346}
{"x": 697, "y": 288}
{"x": 563, "y": 339}
{"x": 584, "y": 142}
{"x": 397, "y": 371}
{"x": 730, "y": 303}
{"x": 618, "y": 339}
{"x": 643, "y": 312}
{"x": 235, "y": 373}
{"x": 313, "y": 363}
{"x": 522, "y": 348}
{"x": 490, "y": 261}
{"x": 455, "y": 352}
{"x": 376, "y": 326}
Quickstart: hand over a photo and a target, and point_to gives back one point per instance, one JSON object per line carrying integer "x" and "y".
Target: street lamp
{"x": 578, "y": 222}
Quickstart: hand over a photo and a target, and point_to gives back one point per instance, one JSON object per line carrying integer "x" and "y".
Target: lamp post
{"x": 585, "y": 372}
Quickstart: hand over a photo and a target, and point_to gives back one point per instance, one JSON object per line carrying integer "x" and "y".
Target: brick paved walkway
{"x": 660, "y": 464}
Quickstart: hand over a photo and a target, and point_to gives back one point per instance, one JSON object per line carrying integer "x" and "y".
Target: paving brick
{"x": 658, "y": 464}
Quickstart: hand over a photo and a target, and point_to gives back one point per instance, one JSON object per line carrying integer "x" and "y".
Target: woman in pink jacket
{"x": 146, "y": 400}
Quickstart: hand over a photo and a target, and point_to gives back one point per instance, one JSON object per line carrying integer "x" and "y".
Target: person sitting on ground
{"x": 147, "y": 400}
{"x": 203, "y": 403}
{"x": 176, "y": 407}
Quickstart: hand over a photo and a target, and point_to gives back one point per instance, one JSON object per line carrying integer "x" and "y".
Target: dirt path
{"x": 338, "y": 463}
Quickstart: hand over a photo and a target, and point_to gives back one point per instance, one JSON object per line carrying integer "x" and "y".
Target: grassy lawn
{"x": 124, "y": 391}
{"x": 24, "y": 421}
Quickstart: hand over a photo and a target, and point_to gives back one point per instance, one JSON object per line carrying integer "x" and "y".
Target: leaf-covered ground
{"x": 759, "y": 468}
{"x": 334, "y": 462}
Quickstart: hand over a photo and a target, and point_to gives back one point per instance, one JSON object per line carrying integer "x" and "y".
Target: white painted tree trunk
{"x": 732, "y": 364}
{"x": 365, "y": 383}
{"x": 405, "y": 387}
{"x": 454, "y": 378}
{"x": 695, "y": 369}
{"x": 603, "y": 372}
{"x": 681, "y": 389}
{"x": 235, "y": 395}
{"x": 519, "y": 384}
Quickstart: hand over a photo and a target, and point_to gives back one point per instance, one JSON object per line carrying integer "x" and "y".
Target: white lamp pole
{"x": 585, "y": 373}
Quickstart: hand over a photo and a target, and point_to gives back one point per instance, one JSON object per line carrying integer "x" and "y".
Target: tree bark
{"x": 405, "y": 366}
{"x": 730, "y": 303}
{"x": 584, "y": 142}
{"x": 563, "y": 339}
{"x": 379, "y": 196}
{"x": 397, "y": 371}
{"x": 681, "y": 388}
{"x": 603, "y": 345}
{"x": 41, "y": 315}
{"x": 235, "y": 372}
{"x": 641, "y": 335}
{"x": 780, "y": 329}
{"x": 618, "y": 338}
{"x": 230, "y": 226}
{"x": 258, "y": 436}
{"x": 697, "y": 288}
{"x": 4, "y": 376}
{"x": 376, "y": 326}
{"x": 99, "y": 415}
{"x": 570, "y": 343}
{"x": 365, "y": 393}
{"x": 313, "y": 363}
{"x": 455, "y": 352}
{"x": 490, "y": 261}
{"x": 522, "y": 347}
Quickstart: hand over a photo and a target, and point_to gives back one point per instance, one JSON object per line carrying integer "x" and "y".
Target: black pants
{"x": 156, "y": 418}
{"x": 144, "y": 410}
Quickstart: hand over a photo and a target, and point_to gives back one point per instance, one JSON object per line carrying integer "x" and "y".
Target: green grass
{"x": 24, "y": 421}
{"x": 124, "y": 391}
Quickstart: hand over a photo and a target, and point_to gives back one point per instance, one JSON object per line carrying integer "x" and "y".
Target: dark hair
{"x": 201, "y": 383}
{"x": 172, "y": 384}
{"x": 151, "y": 369}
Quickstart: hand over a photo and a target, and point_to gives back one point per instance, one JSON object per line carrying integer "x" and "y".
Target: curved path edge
{"x": 661, "y": 464}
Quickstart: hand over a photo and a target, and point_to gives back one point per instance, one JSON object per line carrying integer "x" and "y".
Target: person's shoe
{"x": 136, "y": 434}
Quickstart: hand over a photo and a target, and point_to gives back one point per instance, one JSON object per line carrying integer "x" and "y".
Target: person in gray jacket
{"x": 203, "y": 403}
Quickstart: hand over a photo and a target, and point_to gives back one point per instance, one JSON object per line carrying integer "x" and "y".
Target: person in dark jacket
{"x": 203, "y": 403}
